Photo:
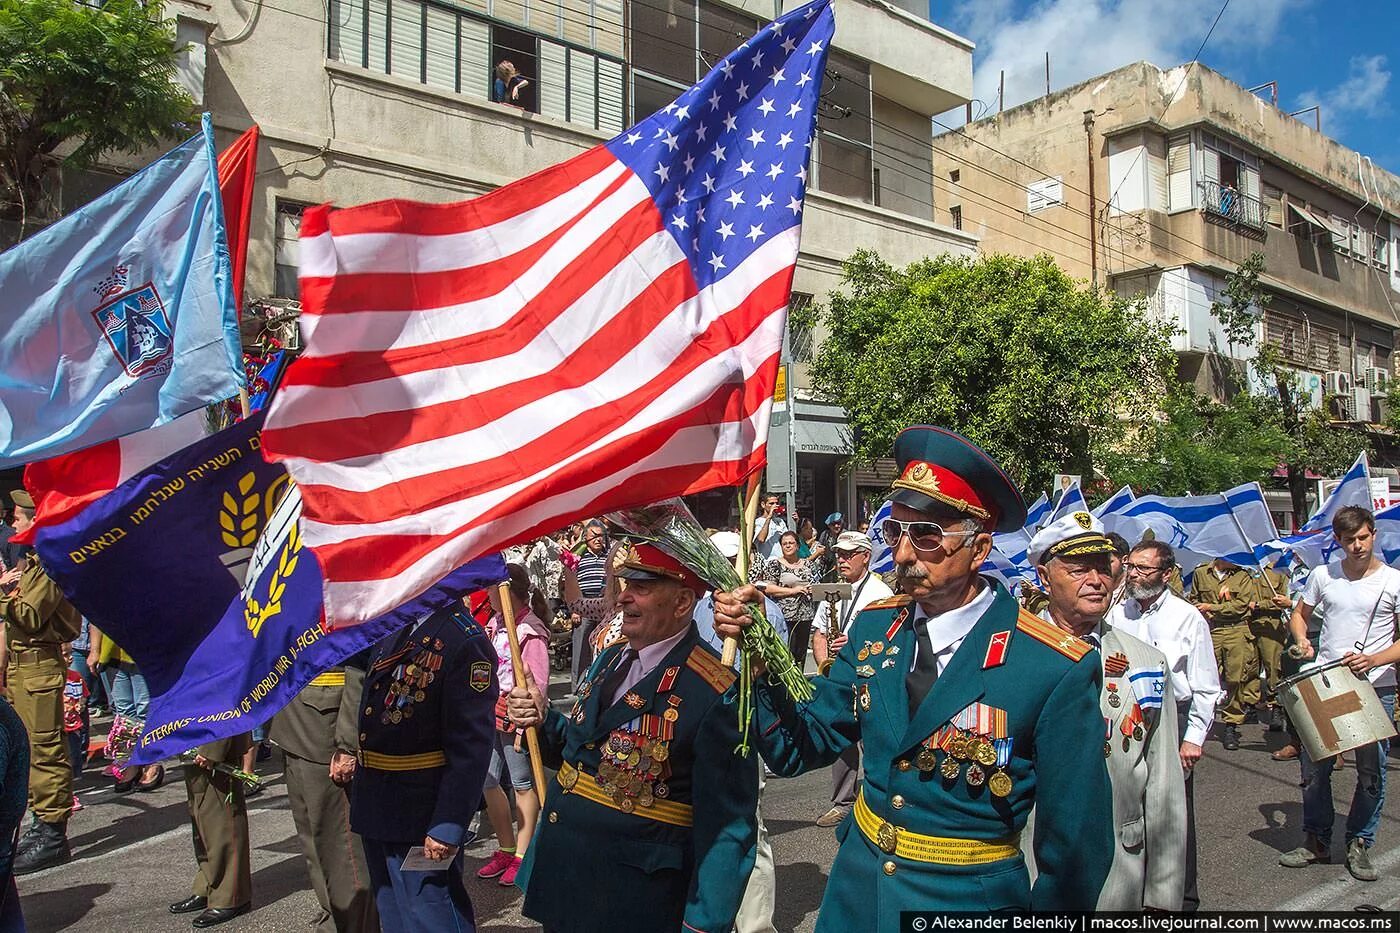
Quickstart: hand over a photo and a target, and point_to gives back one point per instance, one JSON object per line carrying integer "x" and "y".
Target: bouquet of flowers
{"x": 238, "y": 774}
{"x": 121, "y": 742}
{"x": 671, "y": 525}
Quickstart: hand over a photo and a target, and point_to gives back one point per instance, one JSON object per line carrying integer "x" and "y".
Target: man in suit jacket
{"x": 318, "y": 732}
{"x": 653, "y": 817}
{"x": 427, "y": 725}
{"x": 970, "y": 712}
{"x": 1073, "y": 558}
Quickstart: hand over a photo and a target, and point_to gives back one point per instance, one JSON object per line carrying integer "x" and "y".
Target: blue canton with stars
{"x": 727, "y": 162}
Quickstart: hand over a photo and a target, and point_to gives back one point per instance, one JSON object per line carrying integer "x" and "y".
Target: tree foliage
{"x": 1198, "y": 445}
{"x": 1046, "y": 373}
{"x": 84, "y": 81}
{"x": 1314, "y": 442}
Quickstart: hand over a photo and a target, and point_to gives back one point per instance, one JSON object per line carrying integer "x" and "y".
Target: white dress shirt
{"x": 645, "y": 662}
{"x": 866, "y": 590}
{"x": 946, "y": 632}
{"x": 1178, "y": 630}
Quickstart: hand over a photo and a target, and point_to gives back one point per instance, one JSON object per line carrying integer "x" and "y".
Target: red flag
{"x": 238, "y": 166}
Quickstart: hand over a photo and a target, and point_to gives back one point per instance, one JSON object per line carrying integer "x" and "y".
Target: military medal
{"x": 634, "y": 700}
{"x": 1116, "y": 665}
{"x": 976, "y": 777}
{"x": 986, "y": 753}
{"x": 999, "y": 784}
{"x": 958, "y": 746}
{"x": 863, "y": 653}
{"x": 662, "y": 790}
{"x": 926, "y": 760}
{"x": 1107, "y": 748}
{"x": 864, "y": 698}
{"x": 865, "y": 670}
{"x": 1113, "y": 700}
{"x": 877, "y": 648}
{"x": 888, "y": 662}
{"x": 950, "y": 768}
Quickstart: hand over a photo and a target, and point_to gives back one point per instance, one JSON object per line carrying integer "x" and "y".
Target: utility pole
{"x": 1093, "y": 202}
{"x": 1047, "y": 74}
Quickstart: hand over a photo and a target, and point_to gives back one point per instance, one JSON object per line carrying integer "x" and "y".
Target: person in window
{"x": 509, "y": 83}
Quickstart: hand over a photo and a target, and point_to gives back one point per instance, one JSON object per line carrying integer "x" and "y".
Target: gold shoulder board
{"x": 1049, "y": 634}
{"x": 710, "y": 668}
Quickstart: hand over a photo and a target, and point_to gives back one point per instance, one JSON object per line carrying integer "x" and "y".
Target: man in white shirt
{"x": 768, "y": 529}
{"x": 852, "y": 551}
{"x": 1357, "y": 597}
{"x": 1152, "y": 613}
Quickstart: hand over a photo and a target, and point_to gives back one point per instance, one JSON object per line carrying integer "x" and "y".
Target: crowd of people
{"x": 987, "y": 751}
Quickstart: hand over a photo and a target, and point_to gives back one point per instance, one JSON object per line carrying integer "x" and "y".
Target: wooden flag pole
{"x": 731, "y": 645}
{"x": 517, "y": 664}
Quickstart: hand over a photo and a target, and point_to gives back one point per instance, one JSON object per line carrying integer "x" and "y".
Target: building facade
{"x": 1158, "y": 183}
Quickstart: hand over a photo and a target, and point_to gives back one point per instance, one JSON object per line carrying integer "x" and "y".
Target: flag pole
{"x": 517, "y": 664}
{"x": 750, "y": 513}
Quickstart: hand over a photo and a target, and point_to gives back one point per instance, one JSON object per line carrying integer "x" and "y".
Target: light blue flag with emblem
{"x": 881, "y": 557}
{"x": 1234, "y": 524}
{"x": 120, "y": 316}
{"x": 1314, "y": 543}
{"x": 1115, "y": 503}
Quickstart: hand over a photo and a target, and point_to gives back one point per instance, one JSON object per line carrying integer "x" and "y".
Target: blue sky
{"x": 1342, "y": 54}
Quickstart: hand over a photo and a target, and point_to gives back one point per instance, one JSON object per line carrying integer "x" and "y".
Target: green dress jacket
{"x": 673, "y": 850}
{"x": 1018, "y": 678}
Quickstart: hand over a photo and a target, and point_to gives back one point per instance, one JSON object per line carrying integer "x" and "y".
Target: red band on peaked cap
{"x": 649, "y": 562}
{"x": 939, "y": 467}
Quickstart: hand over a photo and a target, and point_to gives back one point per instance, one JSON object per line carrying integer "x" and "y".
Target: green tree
{"x": 1198, "y": 445}
{"x": 1314, "y": 442}
{"x": 1046, "y": 373}
{"x": 79, "y": 82}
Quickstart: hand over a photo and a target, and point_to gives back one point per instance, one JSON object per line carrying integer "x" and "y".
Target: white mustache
{"x": 915, "y": 572}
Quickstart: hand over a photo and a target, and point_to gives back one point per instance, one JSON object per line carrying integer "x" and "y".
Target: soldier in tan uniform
{"x": 223, "y": 886}
{"x": 319, "y": 736}
{"x": 1224, "y": 593}
{"x": 1270, "y": 633}
{"x": 38, "y": 622}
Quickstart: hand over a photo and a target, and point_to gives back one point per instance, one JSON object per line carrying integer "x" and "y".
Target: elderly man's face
{"x": 654, "y": 610}
{"x": 1080, "y": 588}
{"x": 941, "y": 574}
{"x": 852, "y": 564}
{"x": 596, "y": 539}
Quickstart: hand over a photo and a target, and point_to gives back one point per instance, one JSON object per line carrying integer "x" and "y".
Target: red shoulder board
{"x": 996, "y": 650}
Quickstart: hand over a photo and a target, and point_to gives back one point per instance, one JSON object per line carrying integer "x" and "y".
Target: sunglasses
{"x": 925, "y": 536}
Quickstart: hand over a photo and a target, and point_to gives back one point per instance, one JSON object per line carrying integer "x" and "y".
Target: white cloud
{"x": 1362, "y": 94}
{"x": 1090, "y": 37}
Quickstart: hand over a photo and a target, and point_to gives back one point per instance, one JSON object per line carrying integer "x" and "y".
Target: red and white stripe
{"x": 480, "y": 373}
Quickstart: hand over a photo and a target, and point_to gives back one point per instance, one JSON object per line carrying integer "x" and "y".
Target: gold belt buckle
{"x": 568, "y": 777}
{"x": 887, "y": 837}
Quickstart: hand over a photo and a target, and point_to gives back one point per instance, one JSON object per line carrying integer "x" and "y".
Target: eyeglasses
{"x": 925, "y": 536}
{"x": 1142, "y": 568}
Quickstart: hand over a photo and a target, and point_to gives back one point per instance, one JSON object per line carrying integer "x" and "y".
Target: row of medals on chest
{"x": 963, "y": 746}
{"x": 409, "y": 686}
{"x": 1132, "y": 725}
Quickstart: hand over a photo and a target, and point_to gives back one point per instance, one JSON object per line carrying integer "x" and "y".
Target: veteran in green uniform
{"x": 652, "y": 815}
{"x": 223, "y": 883}
{"x": 319, "y": 737}
{"x": 38, "y": 622}
{"x": 1225, "y": 595}
{"x": 971, "y": 712}
{"x": 1270, "y": 634}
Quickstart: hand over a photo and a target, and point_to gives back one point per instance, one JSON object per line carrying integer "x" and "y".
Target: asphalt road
{"x": 133, "y": 855}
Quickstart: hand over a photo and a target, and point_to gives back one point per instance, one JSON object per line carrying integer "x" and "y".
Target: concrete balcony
{"x": 912, "y": 62}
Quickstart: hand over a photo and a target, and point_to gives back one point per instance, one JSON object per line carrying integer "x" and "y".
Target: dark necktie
{"x": 625, "y": 659}
{"x": 920, "y": 680}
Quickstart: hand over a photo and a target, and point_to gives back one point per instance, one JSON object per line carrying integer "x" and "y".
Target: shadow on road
{"x": 800, "y": 886}
{"x": 1283, "y": 825}
{"x": 62, "y": 909}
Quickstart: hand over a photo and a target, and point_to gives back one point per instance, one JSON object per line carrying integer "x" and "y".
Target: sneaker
{"x": 1359, "y": 861}
{"x": 508, "y": 876}
{"x": 498, "y": 864}
{"x": 1309, "y": 853}
{"x": 77, "y": 804}
{"x": 832, "y": 817}
{"x": 1230, "y": 738}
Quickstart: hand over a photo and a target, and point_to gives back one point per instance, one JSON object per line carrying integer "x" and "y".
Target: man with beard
{"x": 971, "y": 713}
{"x": 1079, "y": 566}
{"x": 1157, "y": 616}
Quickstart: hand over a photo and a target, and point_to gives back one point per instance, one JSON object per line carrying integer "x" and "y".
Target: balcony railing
{"x": 1228, "y": 202}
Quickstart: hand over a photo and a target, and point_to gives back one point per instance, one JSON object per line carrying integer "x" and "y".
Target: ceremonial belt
{"x": 419, "y": 762}
{"x": 328, "y": 679}
{"x": 938, "y": 850}
{"x": 576, "y": 781}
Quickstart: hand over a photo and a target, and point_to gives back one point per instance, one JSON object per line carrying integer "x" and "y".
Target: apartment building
{"x": 360, "y": 100}
{"x": 1159, "y": 182}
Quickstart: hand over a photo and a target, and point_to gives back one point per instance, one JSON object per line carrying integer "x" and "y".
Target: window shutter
{"x": 476, "y": 58}
{"x": 1157, "y": 194}
{"x": 378, "y": 31}
{"x": 553, "y": 80}
{"x": 1210, "y": 165}
{"x": 441, "y": 50}
{"x": 347, "y": 31}
{"x": 1179, "y": 173}
{"x": 406, "y": 39}
{"x": 610, "y": 112}
{"x": 583, "y": 92}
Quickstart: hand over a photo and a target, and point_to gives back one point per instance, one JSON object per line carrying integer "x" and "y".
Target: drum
{"x": 1334, "y": 710}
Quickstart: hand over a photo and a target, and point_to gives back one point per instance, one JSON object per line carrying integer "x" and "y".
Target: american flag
{"x": 600, "y": 335}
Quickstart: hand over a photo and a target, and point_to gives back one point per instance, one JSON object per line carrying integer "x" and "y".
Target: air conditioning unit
{"x": 1360, "y": 404}
{"x": 1310, "y": 389}
{"x": 1338, "y": 382}
{"x": 1377, "y": 379}
{"x": 1380, "y": 408}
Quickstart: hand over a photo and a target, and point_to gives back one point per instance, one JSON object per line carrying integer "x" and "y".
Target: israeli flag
{"x": 881, "y": 556}
{"x": 1315, "y": 544}
{"x": 120, "y": 316}
{"x": 1115, "y": 503}
{"x": 1071, "y": 500}
{"x": 1235, "y": 525}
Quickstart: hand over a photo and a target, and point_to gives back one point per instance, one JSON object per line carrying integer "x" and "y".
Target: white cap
{"x": 853, "y": 541}
{"x": 727, "y": 542}
{"x": 1078, "y": 534}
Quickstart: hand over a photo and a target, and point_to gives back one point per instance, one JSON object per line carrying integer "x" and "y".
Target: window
{"x": 955, "y": 176}
{"x": 844, "y": 158}
{"x": 1380, "y": 246}
{"x": 1273, "y": 205}
{"x": 955, "y": 216}
{"x": 1180, "y": 192}
{"x": 674, "y": 42}
{"x": 1046, "y": 193}
{"x": 286, "y": 250}
{"x": 456, "y": 48}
